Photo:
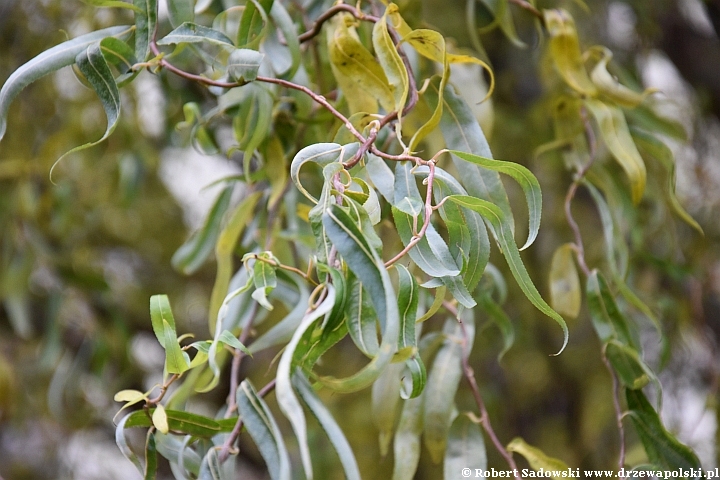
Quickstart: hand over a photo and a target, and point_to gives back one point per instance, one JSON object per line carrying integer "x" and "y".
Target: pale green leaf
{"x": 565, "y": 51}
{"x": 160, "y": 312}
{"x": 145, "y": 24}
{"x": 254, "y": 23}
{"x": 320, "y": 153}
{"x": 285, "y": 24}
{"x": 406, "y": 446}
{"x": 192, "y": 254}
{"x": 502, "y": 229}
{"x": 243, "y": 64}
{"x": 329, "y": 425}
{"x": 537, "y": 459}
{"x": 614, "y": 132}
{"x": 465, "y": 447}
{"x": 526, "y": 180}
{"x": 263, "y": 429}
{"x": 364, "y": 262}
{"x": 663, "y": 449}
{"x": 180, "y": 11}
{"x": 288, "y": 402}
{"x": 443, "y": 381}
{"x": 192, "y": 33}
{"x": 111, "y": 4}
{"x": 462, "y": 132}
{"x": 49, "y": 61}
{"x": 175, "y": 360}
{"x": 384, "y": 404}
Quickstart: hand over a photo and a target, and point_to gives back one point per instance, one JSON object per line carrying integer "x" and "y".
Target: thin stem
{"x": 238, "y": 355}
{"x": 618, "y": 413}
{"x": 227, "y": 446}
{"x": 284, "y": 267}
{"x": 578, "y": 245}
{"x": 426, "y": 223}
{"x": 484, "y": 417}
{"x": 331, "y": 12}
{"x": 163, "y": 390}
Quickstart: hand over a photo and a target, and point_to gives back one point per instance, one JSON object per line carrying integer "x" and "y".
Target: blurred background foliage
{"x": 79, "y": 258}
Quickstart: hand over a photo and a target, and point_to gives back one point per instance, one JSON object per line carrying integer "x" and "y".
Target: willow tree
{"x": 356, "y": 244}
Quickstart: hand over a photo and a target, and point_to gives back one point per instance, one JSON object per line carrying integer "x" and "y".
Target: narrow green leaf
{"x": 431, "y": 253}
{"x": 121, "y": 55}
{"x": 265, "y": 280}
{"x": 381, "y": 176}
{"x": 565, "y": 295}
{"x": 651, "y": 146}
{"x": 614, "y": 132}
{"x": 442, "y": 384}
{"x": 111, "y": 4}
{"x": 406, "y": 446}
{"x": 608, "y": 321}
{"x": 352, "y": 244}
{"x": 231, "y": 340}
{"x": 328, "y": 424}
{"x": 501, "y": 320}
{"x": 565, "y": 51}
{"x": 662, "y": 448}
{"x": 243, "y": 64}
{"x": 502, "y": 229}
{"x": 263, "y": 429}
{"x": 49, "y": 61}
{"x": 465, "y": 448}
{"x": 160, "y": 312}
{"x": 282, "y": 331}
{"x": 190, "y": 32}
{"x": 625, "y": 360}
{"x": 361, "y": 317}
{"x": 151, "y": 460}
{"x": 180, "y": 11}
{"x": 385, "y": 399}
{"x": 122, "y": 443}
{"x": 175, "y": 361}
{"x": 284, "y": 23}
{"x": 288, "y": 402}
{"x": 193, "y": 253}
{"x": 224, "y": 249}
{"x": 539, "y": 460}
{"x": 320, "y": 153}
{"x": 408, "y": 295}
{"x": 145, "y": 24}
{"x": 179, "y": 421}
{"x": 94, "y": 67}
{"x": 526, "y": 180}
{"x": 253, "y": 23}
{"x": 462, "y": 132}
{"x": 391, "y": 63}
{"x": 212, "y": 469}
{"x": 467, "y": 235}
{"x": 504, "y": 20}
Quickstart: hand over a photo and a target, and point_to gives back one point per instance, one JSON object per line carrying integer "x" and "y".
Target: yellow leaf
{"x": 616, "y": 135}
{"x": 565, "y": 51}
{"x": 538, "y": 460}
{"x": 610, "y": 87}
{"x": 391, "y": 63}
{"x": 359, "y": 75}
{"x": 565, "y": 295}
{"x": 129, "y": 396}
{"x": 159, "y": 419}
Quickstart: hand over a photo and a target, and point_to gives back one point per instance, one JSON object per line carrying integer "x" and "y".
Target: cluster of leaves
{"x": 321, "y": 257}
